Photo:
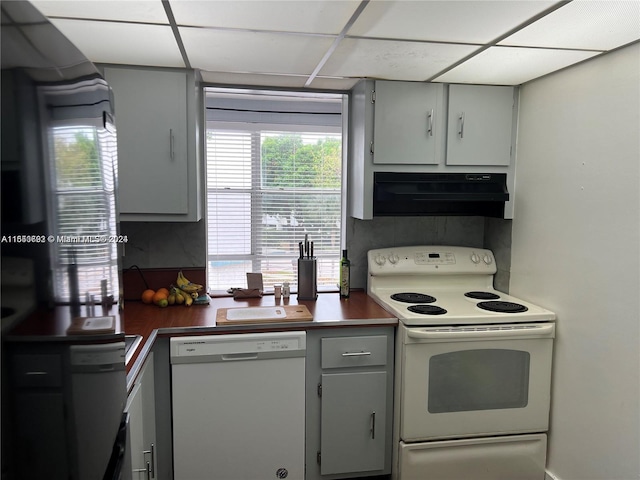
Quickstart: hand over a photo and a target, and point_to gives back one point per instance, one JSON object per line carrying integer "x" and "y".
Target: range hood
{"x": 413, "y": 194}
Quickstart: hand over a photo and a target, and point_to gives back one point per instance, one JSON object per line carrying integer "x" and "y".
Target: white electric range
{"x": 473, "y": 366}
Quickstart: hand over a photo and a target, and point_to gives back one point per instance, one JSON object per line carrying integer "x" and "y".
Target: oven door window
{"x": 484, "y": 379}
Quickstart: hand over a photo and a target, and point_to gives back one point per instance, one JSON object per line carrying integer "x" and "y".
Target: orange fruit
{"x": 163, "y": 290}
{"x": 147, "y": 296}
{"x": 158, "y": 296}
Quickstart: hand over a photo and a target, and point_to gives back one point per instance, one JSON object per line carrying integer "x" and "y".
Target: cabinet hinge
{"x": 319, "y": 389}
{"x": 318, "y": 457}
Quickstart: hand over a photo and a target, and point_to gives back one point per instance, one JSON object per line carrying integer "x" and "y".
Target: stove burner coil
{"x": 413, "y": 298}
{"x": 482, "y": 295}
{"x": 502, "y": 307}
{"x": 427, "y": 309}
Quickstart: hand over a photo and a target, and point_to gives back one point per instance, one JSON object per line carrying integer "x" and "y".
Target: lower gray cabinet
{"x": 349, "y": 402}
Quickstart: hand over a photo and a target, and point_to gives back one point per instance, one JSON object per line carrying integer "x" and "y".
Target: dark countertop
{"x": 150, "y": 321}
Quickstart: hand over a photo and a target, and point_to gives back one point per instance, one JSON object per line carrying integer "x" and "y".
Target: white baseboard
{"x": 550, "y": 476}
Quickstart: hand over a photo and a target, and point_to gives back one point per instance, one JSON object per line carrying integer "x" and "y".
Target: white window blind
{"x": 83, "y": 213}
{"x": 274, "y": 175}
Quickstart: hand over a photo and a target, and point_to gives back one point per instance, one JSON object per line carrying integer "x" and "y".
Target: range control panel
{"x": 430, "y": 260}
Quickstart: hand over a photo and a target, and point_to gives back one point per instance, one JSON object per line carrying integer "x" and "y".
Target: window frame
{"x": 256, "y": 130}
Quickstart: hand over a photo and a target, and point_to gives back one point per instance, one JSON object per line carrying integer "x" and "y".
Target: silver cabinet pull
{"x": 152, "y": 452}
{"x": 171, "y": 144}
{"x": 461, "y": 131}
{"x": 146, "y": 470}
{"x": 430, "y": 123}
{"x": 36, "y": 373}
{"x": 373, "y": 425}
{"x": 371, "y": 147}
{"x": 355, "y": 354}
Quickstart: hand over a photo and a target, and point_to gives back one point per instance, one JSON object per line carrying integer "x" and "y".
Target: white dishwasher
{"x": 238, "y": 406}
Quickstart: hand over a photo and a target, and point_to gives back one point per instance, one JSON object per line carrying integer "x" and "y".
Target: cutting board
{"x": 89, "y": 325}
{"x": 248, "y": 315}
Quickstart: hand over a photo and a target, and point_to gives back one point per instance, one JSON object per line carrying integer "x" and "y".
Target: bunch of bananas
{"x": 185, "y": 292}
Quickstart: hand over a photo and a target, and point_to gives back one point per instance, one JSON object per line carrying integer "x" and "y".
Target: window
{"x": 82, "y": 171}
{"x": 274, "y": 175}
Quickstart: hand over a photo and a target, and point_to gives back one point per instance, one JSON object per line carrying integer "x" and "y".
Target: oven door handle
{"x": 484, "y": 333}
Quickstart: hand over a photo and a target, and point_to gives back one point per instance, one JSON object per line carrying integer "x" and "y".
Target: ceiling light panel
{"x": 596, "y": 25}
{"x": 319, "y": 17}
{"x": 392, "y": 60}
{"x": 253, "y": 52}
{"x": 444, "y": 21}
{"x": 149, "y": 11}
{"x": 512, "y": 65}
{"x": 129, "y": 44}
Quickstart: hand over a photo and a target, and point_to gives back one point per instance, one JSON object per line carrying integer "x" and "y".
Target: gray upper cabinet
{"x": 408, "y": 123}
{"x": 480, "y": 125}
{"x": 158, "y": 159}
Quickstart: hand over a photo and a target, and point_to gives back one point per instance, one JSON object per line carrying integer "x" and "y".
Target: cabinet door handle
{"x": 152, "y": 452}
{"x": 171, "y": 144}
{"x": 355, "y": 354}
{"x": 371, "y": 147}
{"x": 146, "y": 470}
{"x": 461, "y": 130}
{"x": 373, "y": 425}
{"x": 430, "y": 123}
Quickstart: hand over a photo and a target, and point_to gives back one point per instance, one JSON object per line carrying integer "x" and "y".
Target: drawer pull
{"x": 37, "y": 373}
{"x": 356, "y": 354}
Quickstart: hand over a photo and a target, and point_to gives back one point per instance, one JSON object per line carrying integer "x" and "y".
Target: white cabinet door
{"x": 136, "y": 428}
{"x": 151, "y": 123}
{"x": 480, "y": 125}
{"x": 408, "y": 123}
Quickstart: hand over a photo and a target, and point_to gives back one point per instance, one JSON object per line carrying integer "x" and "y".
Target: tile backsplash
{"x": 183, "y": 245}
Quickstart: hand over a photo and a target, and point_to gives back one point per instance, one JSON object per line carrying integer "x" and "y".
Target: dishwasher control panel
{"x": 238, "y": 346}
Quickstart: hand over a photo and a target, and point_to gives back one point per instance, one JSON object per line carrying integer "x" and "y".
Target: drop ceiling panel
{"x": 253, "y": 52}
{"x": 512, "y": 65}
{"x": 131, "y": 44}
{"x": 444, "y": 21}
{"x": 328, "y": 17}
{"x": 597, "y": 25}
{"x": 392, "y": 60}
{"x": 126, "y": 11}
{"x": 225, "y": 78}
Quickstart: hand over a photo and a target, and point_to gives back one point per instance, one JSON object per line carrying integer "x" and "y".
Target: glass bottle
{"x": 345, "y": 272}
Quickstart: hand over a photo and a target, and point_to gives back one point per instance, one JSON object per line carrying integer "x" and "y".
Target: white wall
{"x": 575, "y": 250}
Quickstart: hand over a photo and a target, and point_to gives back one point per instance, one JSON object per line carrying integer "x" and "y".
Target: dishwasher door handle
{"x": 239, "y": 356}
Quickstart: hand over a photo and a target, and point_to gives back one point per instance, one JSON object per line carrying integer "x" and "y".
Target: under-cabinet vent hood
{"x": 412, "y": 194}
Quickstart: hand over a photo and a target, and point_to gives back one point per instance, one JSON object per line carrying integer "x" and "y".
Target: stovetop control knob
{"x": 475, "y": 258}
{"x": 487, "y": 259}
{"x": 393, "y": 258}
{"x": 380, "y": 260}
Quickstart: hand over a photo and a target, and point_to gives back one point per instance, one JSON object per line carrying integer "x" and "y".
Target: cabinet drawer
{"x": 344, "y": 352}
{"x": 37, "y": 370}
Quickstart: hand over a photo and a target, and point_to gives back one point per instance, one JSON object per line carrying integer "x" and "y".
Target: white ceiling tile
{"x": 332, "y": 83}
{"x": 599, "y": 25}
{"x": 392, "y": 60}
{"x": 149, "y": 11}
{"x": 237, "y": 79}
{"x": 130, "y": 44}
{"x": 253, "y": 52}
{"x": 328, "y": 17}
{"x": 444, "y": 21}
{"x": 512, "y": 65}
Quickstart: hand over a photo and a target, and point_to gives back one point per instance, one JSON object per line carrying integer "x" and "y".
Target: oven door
{"x": 475, "y": 381}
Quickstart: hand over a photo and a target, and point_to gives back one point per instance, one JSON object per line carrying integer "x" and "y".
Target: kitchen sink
{"x": 131, "y": 342}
